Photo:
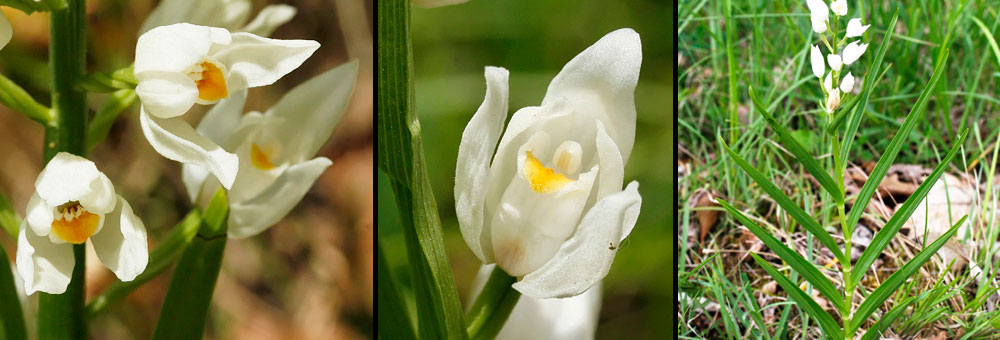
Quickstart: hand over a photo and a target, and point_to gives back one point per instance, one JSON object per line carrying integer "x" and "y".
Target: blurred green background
{"x": 533, "y": 40}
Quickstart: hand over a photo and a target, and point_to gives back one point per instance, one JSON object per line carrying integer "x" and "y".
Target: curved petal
{"x": 175, "y": 48}
{"x": 101, "y": 198}
{"x": 228, "y": 14}
{"x": 68, "y": 177}
{"x": 586, "y": 257}
{"x": 199, "y": 183}
{"x": 311, "y": 111}
{"x": 251, "y": 217}
{"x": 166, "y": 95}
{"x": 220, "y": 122}
{"x": 473, "y": 167}
{"x": 44, "y": 266}
{"x": 612, "y": 174}
{"x": 600, "y": 83}
{"x": 175, "y": 139}
{"x": 6, "y": 32}
{"x": 121, "y": 244}
{"x": 39, "y": 215}
{"x": 262, "y": 61}
{"x": 269, "y": 19}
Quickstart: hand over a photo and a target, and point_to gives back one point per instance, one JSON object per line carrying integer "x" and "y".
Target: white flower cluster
{"x": 833, "y": 86}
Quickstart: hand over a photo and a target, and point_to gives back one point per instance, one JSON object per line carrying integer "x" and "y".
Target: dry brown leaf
{"x": 947, "y": 201}
{"x": 707, "y": 216}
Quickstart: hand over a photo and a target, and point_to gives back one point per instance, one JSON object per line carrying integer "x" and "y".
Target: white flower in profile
{"x": 835, "y": 62}
{"x": 550, "y": 208}
{"x": 74, "y": 202}
{"x": 832, "y": 93}
{"x": 229, "y": 14}
{"x": 182, "y": 64}
{"x": 572, "y": 318}
{"x": 839, "y": 7}
{"x": 6, "y": 31}
{"x": 819, "y": 14}
{"x": 277, "y": 149}
{"x": 818, "y": 66}
{"x": 855, "y": 29}
{"x": 847, "y": 84}
{"x": 853, "y": 51}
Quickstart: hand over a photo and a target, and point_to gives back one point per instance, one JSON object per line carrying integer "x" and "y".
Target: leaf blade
{"x": 859, "y": 110}
{"x": 806, "y": 303}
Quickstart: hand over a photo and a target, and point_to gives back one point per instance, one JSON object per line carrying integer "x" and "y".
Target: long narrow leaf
{"x": 844, "y": 111}
{"x": 887, "y": 319}
{"x": 897, "y": 279}
{"x": 392, "y": 312}
{"x": 800, "y": 152}
{"x": 889, "y": 230}
{"x": 916, "y": 114}
{"x": 804, "y": 301}
{"x": 859, "y": 110}
{"x": 786, "y": 203}
{"x": 11, "y": 317}
{"x": 794, "y": 260}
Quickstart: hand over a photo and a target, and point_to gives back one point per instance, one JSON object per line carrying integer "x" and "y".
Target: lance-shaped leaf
{"x": 800, "y": 152}
{"x": 916, "y": 114}
{"x": 889, "y": 230}
{"x": 794, "y": 260}
{"x": 859, "y": 110}
{"x": 897, "y": 279}
{"x": 806, "y": 303}
{"x": 844, "y": 110}
{"x": 876, "y": 331}
{"x": 786, "y": 203}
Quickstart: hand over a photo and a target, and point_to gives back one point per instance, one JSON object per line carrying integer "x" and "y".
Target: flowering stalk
{"x": 492, "y": 307}
{"x": 60, "y": 316}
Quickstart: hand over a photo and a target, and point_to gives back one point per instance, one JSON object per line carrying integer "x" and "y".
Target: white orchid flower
{"x": 572, "y": 318}
{"x": 6, "y": 31}
{"x": 839, "y": 7}
{"x": 819, "y": 14}
{"x": 818, "y": 67}
{"x": 550, "y": 208}
{"x": 437, "y": 3}
{"x": 833, "y": 94}
{"x": 855, "y": 29}
{"x": 853, "y": 51}
{"x": 847, "y": 84}
{"x": 835, "y": 62}
{"x": 182, "y": 64}
{"x": 74, "y": 202}
{"x": 229, "y": 14}
{"x": 276, "y": 149}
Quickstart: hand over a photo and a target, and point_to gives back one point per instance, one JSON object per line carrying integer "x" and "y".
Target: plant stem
{"x": 492, "y": 307}
{"x": 60, "y": 316}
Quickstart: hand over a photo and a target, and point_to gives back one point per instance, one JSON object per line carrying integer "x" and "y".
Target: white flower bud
{"x": 855, "y": 29}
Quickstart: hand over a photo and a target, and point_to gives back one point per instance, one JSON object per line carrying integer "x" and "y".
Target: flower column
{"x": 60, "y": 316}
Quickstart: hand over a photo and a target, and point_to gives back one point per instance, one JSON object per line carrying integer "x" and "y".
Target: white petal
{"x": 44, "y": 266}
{"x": 833, "y": 100}
{"x": 600, "y": 84}
{"x": 436, "y": 3}
{"x": 228, "y": 14}
{"x": 175, "y": 48}
{"x": 847, "y": 84}
{"x": 819, "y": 23}
{"x": 220, "y": 122}
{"x": 6, "y": 32}
{"x": 855, "y": 29}
{"x": 69, "y": 177}
{"x": 262, "y": 61}
{"x": 570, "y": 318}
{"x": 839, "y": 7}
{"x": 828, "y": 82}
{"x": 853, "y": 51}
{"x": 818, "y": 66}
{"x": 586, "y": 257}
{"x": 310, "y": 112}
{"x": 251, "y": 217}
{"x": 818, "y": 14}
{"x": 166, "y": 95}
{"x": 121, "y": 244}
{"x": 479, "y": 140}
{"x": 39, "y": 215}
{"x": 612, "y": 173}
{"x": 835, "y": 62}
{"x": 175, "y": 139}
{"x": 269, "y": 19}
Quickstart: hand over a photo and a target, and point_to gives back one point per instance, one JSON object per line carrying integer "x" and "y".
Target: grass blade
{"x": 889, "y": 230}
{"x": 800, "y": 152}
{"x": 794, "y": 260}
{"x": 392, "y": 311}
{"x": 786, "y": 203}
{"x": 806, "y": 303}
{"x": 916, "y": 114}
{"x": 887, "y": 319}
{"x": 859, "y": 110}
{"x": 897, "y": 279}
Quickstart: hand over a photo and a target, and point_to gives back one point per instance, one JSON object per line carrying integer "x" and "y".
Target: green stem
{"x": 60, "y": 316}
{"x": 492, "y": 307}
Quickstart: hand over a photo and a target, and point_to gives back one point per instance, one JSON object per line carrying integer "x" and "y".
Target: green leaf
{"x": 401, "y": 157}
{"x": 394, "y": 322}
{"x": 16, "y": 98}
{"x": 800, "y": 152}
{"x": 185, "y": 308}
{"x": 31, "y": 6}
{"x": 916, "y": 114}
{"x": 794, "y": 260}
{"x": 786, "y": 203}
{"x": 887, "y": 319}
{"x": 897, "y": 279}
{"x": 806, "y": 303}
{"x": 845, "y": 109}
{"x": 159, "y": 259}
{"x": 859, "y": 110}
{"x": 123, "y": 79}
{"x": 11, "y": 317}
{"x": 117, "y": 102}
{"x": 889, "y": 230}
{"x": 9, "y": 220}
{"x": 491, "y": 308}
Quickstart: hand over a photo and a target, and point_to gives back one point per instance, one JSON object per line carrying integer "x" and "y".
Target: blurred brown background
{"x": 309, "y": 276}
